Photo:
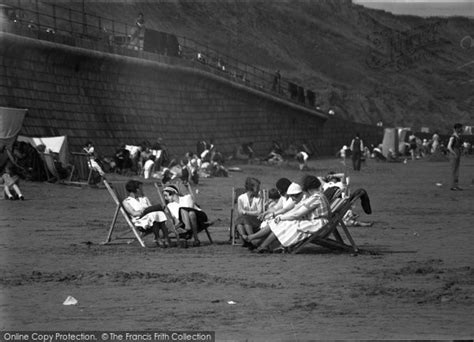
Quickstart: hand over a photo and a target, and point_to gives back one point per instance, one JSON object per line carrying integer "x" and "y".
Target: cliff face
{"x": 368, "y": 65}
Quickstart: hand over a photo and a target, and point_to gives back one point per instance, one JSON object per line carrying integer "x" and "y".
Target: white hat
{"x": 294, "y": 189}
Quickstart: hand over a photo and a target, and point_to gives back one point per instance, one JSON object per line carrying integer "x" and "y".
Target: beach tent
{"x": 395, "y": 139}
{"x": 390, "y": 140}
{"x": 52, "y": 144}
{"x": 11, "y": 121}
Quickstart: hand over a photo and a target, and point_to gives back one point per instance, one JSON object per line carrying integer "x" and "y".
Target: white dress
{"x": 293, "y": 231}
{"x": 146, "y": 221}
{"x": 244, "y": 204}
{"x": 285, "y": 203}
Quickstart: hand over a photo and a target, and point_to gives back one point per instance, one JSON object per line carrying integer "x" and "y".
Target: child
{"x": 10, "y": 182}
{"x": 343, "y": 153}
{"x": 273, "y": 199}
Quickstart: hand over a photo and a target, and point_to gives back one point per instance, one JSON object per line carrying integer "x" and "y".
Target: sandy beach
{"x": 415, "y": 282}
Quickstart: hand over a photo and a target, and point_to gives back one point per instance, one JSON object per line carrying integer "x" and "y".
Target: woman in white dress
{"x": 249, "y": 207}
{"x": 144, "y": 215}
{"x": 185, "y": 211}
{"x": 310, "y": 214}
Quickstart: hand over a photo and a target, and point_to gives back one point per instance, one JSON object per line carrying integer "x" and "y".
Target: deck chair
{"x": 118, "y": 193}
{"x": 233, "y": 234}
{"x": 49, "y": 167}
{"x": 174, "y": 228}
{"x": 332, "y": 193}
{"x": 329, "y": 236}
{"x": 81, "y": 173}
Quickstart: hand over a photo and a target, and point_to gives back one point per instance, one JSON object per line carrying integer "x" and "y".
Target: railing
{"x": 70, "y": 26}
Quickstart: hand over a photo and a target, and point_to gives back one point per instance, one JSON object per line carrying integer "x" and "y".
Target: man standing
{"x": 357, "y": 146}
{"x": 454, "y": 148}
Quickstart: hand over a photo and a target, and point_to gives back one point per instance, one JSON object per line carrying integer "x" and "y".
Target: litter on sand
{"x": 70, "y": 300}
{"x": 231, "y": 302}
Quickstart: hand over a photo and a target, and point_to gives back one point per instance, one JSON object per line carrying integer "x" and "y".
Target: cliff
{"x": 368, "y": 65}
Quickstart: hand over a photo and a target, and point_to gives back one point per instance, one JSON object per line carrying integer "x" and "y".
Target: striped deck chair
{"x": 329, "y": 236}
{"x": 81, "y": 173}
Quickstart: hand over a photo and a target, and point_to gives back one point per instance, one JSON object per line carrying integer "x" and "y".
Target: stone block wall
{"x": 112, "y": 99}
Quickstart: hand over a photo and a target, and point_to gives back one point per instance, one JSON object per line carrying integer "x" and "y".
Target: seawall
{"x": 113, "y": 99}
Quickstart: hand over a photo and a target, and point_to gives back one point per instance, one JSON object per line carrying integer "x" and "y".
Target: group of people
{"x": 291, "y": 214}
{"x": 276, "y": 154}
{"x": 415, "y": 148}
{"x": 154, "y": 161}
{"x": 185, "y": 214}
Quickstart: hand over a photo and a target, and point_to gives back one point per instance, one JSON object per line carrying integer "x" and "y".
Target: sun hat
{"x": 294, "y": 189}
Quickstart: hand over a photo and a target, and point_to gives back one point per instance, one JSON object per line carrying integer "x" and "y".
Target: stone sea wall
{"x": 112, "y": 99}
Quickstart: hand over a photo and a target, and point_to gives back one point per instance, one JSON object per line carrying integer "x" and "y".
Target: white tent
{"x": 11, "y": 121}
{"x": 53, "y": 144}
{"x": 394, "y": 139}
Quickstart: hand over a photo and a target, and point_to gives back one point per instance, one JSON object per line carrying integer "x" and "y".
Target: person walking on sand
{"x": 357, "y": 146}
{"x": 454, "y": 148}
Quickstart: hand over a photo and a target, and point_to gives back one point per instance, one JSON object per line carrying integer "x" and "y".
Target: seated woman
{"x": 249, "y": 207}
{"x": 293, "y": 195}
{"x": 185, "y": 211}
{"x": 144, "y": 215}
{"x": 309, "y": 215}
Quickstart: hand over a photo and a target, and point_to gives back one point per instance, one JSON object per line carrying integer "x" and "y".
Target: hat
{"x": 171, "y": 189}
{"x": 294, "y": 189}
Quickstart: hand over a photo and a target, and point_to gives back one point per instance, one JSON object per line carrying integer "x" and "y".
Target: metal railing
{"x": 76, "y": 27}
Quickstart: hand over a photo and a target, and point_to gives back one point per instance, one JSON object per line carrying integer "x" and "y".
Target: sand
{"x": 417, "y": 282}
